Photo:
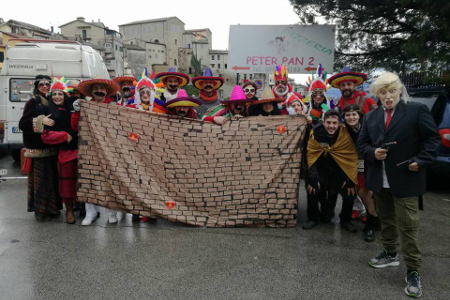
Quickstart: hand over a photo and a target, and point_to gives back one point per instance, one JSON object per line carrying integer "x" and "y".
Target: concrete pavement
{"x": 163, "y": 260}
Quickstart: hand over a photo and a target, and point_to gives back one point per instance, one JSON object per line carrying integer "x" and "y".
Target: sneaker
{"x": 384, "y": 260}
{"x": 112, "y": 219}
{"x": 310, "y": 225}
{"x": 355, "y": 214}
{"x": 413, "y": 285}
{"x": 88, "y": 220}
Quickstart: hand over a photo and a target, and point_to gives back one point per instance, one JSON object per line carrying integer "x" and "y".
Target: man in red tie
{"x": 398, "y": 141}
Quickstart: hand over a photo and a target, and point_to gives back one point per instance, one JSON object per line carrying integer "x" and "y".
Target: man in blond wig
{"x": 398, "y": 140}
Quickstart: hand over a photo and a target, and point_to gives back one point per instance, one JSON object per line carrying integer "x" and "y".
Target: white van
{"x": 23, "y": 62}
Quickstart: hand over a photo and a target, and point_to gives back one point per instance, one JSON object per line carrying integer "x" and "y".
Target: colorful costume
{"x": 256, "y": 108}
{"x": 183, "y": 100}
{"x": 183, "y": 80}
{"x": 154, "y": 105}
{"x": 207, "y": 101}
{"x": 359, "y": 97}
{"x": 281, "y": 73}
{"x": 121, "y": 99}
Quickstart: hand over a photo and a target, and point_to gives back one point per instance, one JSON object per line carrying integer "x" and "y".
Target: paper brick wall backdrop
{"x": 245, "y": 173}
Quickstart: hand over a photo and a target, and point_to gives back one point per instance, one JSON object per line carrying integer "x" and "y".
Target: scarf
{"x": 208, "y": 99}
{"x": 343, "y": 151}
{"x": 145, "y": 106}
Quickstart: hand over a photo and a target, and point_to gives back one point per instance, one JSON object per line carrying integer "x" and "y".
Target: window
{"x": 245, "y": 76}
{"x": 107, "y": 45}
{"x": 212, "y": 57}
{"x": 116, "y": 48}
{"x": 218, "y": 66}
{"x": 2, "y": 56}
{"x": 226, "y": 66}
{"x": 213, "y": 66}
{"x": 250, "y": 76}
{"x": 156, "y": 55}
{"x": 84, "y": 33}
{"x": 218, "y": 56}
{"x": 175, "y": 62}
{"x": 176, "y": 41}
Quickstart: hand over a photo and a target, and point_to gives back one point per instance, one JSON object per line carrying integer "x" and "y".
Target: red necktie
{"x": 388, "y": 119}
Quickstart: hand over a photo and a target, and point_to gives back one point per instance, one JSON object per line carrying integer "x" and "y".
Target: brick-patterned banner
{"x": 244, "y": 173}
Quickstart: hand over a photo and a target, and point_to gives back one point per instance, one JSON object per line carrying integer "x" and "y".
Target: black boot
{"x": 347, "y": 225}
{"x": 369, "y": 230}
{"x": 376, "y": 224}
{"x": 82, "y": 212}
{"x": 310, "y": 225}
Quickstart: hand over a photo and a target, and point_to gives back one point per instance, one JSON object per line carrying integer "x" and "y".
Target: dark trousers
{"x": 328, "y": 204}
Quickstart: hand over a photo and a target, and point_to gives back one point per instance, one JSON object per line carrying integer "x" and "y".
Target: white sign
{"x": 258, "y": 48}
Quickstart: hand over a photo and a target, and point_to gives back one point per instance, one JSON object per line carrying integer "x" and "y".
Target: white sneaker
{"x": 119, "y": 216}
{"x": 88, "y": 220}
{"x": 112, "y": 219}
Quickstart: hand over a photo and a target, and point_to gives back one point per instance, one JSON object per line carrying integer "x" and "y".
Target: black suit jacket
{"x": 417, "y": 137}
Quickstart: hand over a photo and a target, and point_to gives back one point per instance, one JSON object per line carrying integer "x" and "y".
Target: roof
{"x": 96, "y": 24}
{"x": 29, "y": 26}
{"x": 218, "y": 52}
{"x": 152, "y": 21}
{"x": 195, "y": 30}
{"x": 133, "y": 47}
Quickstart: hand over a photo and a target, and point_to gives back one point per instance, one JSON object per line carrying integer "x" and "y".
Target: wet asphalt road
{"x": 163, "y": 260}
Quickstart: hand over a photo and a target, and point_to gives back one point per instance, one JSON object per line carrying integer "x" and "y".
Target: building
{"x": 134, "y": 60}
{"x": 167, "y": 31}
{"x": 106, "y": 41}
{"x": 25, "y": 30}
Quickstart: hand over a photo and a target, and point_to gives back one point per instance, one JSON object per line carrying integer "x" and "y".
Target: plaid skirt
{"x": 43, "y": 197}
{"x": 68, "y": 179}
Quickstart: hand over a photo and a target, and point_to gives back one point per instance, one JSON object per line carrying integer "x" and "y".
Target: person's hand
{"x": 380, "y": 153}
{"x": 220, "y": 120}
{"x": 308, "y": 119}
{"x": 69, "y": 138}
{"x": 76, "y": 105}
{"x": 312, "y": 190}
{"x": 47, "y": 121}
{"x": 238, "y": 116}
{"x": 414, "y": 167}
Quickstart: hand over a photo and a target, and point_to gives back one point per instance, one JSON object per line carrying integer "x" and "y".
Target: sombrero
{"x": 121, "y": 79}
{"x": 183, "y": 79}
{"x": 86, "y": 86}
{"x": 347, "y": 75}
{"x": 207, "y": 75}
{"x": 182, "y": 99}
{"x": 267, "y": 97}
{"x": 237, "y": 96}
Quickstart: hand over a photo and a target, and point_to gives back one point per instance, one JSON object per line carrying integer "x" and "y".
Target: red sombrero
{"x": 267, "y": 97}
{"x": 347, "y": 75}
{"x": 121, "y": 79}
{"x": 86, "y": 86}
{"x": 207, "y": 75}
{"x": 183, "y": 79}
{"x": 182, "y": 99}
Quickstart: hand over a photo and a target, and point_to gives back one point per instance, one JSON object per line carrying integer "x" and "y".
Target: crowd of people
{"x": 371, "y": 153}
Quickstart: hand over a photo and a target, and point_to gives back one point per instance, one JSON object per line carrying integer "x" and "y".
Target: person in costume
{"x": 353, "y": 118}
{"x": 295, "y": 106}
{"x": 208, "y": 86}
{"x": 332, "y": 165}
{"x": 182, "y": 106}
{"x": 396, "y": 172}
{"x": 145, "y": 96}
{"x": 267, "y": 105}
{"x": 100, "y": 90}
{"x": 40, "y": 158}
{"x": 65, "y": 139}
{"x": 172, "y": 82}
{"x": 282, "y": 87}
{"x": 346, "y": 82}
{"x": 235, "y": 107}
{"x": 250, "y": 88}
{"x": 126, "y": 91}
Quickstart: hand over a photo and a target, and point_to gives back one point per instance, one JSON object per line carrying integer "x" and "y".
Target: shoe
{"x": 135, "y": 217}
{"x": 369, "y": 232}
{"x": 413, "y": 285}
{"x": 364, "y": 219}
{"x": 119, "y": 216}
{"x": 88, "y": 220}
{"x": 310, "y": 225}
{"x": 112, "y": 219}
{"x": 384, "y": 260}
{"x": 355, "y": 214}
{"x": 70, "y": 217}
{"x": 349, "y": 227}
{"x": 369, "y": 235}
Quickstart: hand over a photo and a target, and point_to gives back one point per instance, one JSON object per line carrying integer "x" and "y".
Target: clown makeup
{"x": 99, "y": 92}
{"x": 389, "y": 96}
{"x": 347, "y": 88}
{"x": 237, "y": 109}
{"x": 331, "y": 124}
{"x": 281, "y": 87}
{"x": 297, "y": 107}
{"x": 318, "y": 97}
{"x": 351, "y": 118}
{"x": 126, "y": 88}
{"x": 268, "y": 107}
{"x": 145, "y": 94}
{"x": 58, "y": 98}
{"x": 44, "y": 86}
{"x": 182, "y": 111}
{"x": 172, "y": 84}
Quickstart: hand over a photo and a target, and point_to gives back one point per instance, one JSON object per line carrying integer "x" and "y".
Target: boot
{"x": 70, "y": 217}
{"x": 369, "y": 230}
{"x": 82, "y": 212}
{"x": 376, "y": 224}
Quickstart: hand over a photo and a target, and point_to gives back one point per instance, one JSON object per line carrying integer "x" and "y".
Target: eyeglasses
{"x": 44, "y": 83}
{"x": 249, "y": 91}
{"x": 145, "y": 92}
{"x": 317, "y": 93}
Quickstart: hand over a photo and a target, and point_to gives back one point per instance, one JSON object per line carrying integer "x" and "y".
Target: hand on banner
{"x": 220, "y": 120}
{"x": 69, "y": 138}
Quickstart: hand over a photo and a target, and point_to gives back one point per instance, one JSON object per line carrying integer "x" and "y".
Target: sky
{"x": 215, "y": 15}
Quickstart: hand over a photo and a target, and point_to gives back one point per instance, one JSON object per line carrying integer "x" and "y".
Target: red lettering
{"x": 274, "y": 61}
{"x": 254, "y": 60}
{"x": 298, "y": 61}
{"x": 311, "y": 61}
{"x": 267, "y": 60}
{"x": 284, "y": 60}
{"x": 291, "y": 61}
{"x": 248, "y": 60}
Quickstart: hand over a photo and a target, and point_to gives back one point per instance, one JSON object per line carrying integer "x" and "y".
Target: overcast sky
{"x": 215, "y": 15}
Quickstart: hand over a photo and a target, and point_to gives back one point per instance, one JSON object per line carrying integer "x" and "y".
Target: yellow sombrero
{"x": 86, "y": 86}
{"x": 347, "y": 75}
{"x": 183, "y": 79}
{"x": 207, "y": 75}
{"x": 182, "y": 99}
